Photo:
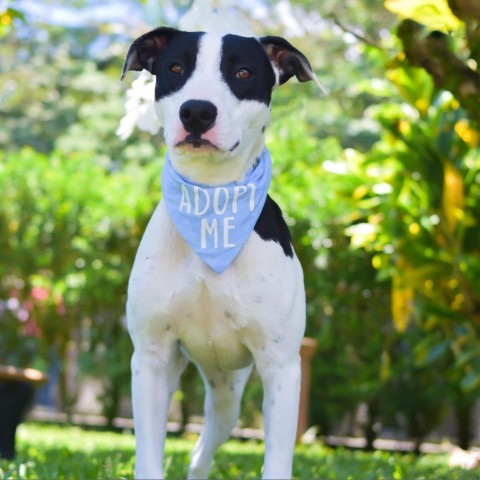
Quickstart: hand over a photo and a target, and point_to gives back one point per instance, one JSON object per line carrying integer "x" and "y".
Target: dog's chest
{"x": 212, "y": 322}
{"x": 218, "y": 319}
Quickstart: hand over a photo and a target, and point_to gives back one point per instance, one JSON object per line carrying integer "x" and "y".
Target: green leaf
{"x": 434, "y": 14}
{"x": 471, "y": 381}
{"x": 435, "y": 353}
{"x": 466, "y": 357}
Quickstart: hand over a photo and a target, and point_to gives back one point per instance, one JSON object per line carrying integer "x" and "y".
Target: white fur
{"x": 178, "y": 308}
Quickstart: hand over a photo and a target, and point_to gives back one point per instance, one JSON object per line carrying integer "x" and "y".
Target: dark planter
{"x": 16, "y": 397}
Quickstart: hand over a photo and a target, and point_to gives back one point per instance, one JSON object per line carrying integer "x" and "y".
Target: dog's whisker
{"x": 159, "y": 138}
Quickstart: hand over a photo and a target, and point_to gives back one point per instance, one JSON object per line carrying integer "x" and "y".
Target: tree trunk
{"x": 369, "y": 430}
{"x": 463, "y": 414}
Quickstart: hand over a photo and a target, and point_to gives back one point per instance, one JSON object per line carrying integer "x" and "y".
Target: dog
{"x": 223, "y": 292}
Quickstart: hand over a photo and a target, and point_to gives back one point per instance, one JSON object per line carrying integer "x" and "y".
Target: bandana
{"x": 217, "y": 221}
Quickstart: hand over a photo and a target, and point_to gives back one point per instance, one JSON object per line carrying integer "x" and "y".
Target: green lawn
{"x": 54, "y": 452}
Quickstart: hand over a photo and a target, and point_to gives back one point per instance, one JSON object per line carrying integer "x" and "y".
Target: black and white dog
{"x": 212, "y": 96}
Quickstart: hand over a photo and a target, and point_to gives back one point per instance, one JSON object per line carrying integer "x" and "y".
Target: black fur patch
{"x": 271, "y": 226}
{"x": 247, "y": 53}
{"x": 182, "y": 49}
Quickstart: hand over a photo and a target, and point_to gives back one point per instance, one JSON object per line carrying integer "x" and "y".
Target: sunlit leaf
{"x": 469, "y": 135}
{"x": 415, "y": 86}
{"x": 361, "y": 234}
{"x": 453, "y": 198}
{"x": 402, "y": 304}
{"x": 434, "y": 14}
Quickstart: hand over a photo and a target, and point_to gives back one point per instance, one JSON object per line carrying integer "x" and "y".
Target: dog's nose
{"x": 198, "y": 116}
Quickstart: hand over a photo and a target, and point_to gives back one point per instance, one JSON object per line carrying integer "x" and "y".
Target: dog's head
{"x": 212, "y": 95}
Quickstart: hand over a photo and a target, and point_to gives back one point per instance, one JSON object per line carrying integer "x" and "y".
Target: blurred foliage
{"x": 451, "y": 59}
{"x": 8, "y": 16}
{"x": 421, "y": 225}
{"x": 72, "y": 231}
{"x": 379, "y": 183}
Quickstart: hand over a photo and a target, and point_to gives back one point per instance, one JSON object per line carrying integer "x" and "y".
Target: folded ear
{"x": 287, "y": 61}
{"x": 145, "y": 49}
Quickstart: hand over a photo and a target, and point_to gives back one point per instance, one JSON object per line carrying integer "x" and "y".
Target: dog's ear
{"x": 287, "y": 61}
{"x": 145, "y": 49}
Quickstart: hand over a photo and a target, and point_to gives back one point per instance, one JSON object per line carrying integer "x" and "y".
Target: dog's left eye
{"x": 176, "y": 68}
{"x": 244, "y": 74}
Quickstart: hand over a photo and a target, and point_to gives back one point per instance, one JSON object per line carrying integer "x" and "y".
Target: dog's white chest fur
{"x": 218, "y": 319}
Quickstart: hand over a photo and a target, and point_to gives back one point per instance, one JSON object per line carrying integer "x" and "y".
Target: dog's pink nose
{"x": 198, "y": 116}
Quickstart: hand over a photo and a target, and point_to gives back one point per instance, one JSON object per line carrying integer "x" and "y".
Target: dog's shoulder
{"x": 272, "y": 226}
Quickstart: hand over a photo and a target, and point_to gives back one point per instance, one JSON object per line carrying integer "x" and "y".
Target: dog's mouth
{"x": 196, "y": 142}
{"x": 199, "y": 142}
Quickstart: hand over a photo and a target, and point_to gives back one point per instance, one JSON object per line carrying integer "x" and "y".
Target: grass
{"x": 61, "y": 452}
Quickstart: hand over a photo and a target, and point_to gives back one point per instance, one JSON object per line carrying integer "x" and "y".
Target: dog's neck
{"x": 216, "y": 168}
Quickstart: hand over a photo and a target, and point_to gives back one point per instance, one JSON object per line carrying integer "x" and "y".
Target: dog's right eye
{"x": 176, "y": 68}
{"x": 244, "y": 74}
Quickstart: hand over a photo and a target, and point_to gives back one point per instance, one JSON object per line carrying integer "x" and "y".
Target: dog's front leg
{"x": 281, "y": 384}
{"x": 222, "y": 406}
{"x": 150, "y": 395}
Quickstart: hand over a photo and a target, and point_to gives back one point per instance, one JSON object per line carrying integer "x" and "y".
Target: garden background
{"x": 379, "y": 181}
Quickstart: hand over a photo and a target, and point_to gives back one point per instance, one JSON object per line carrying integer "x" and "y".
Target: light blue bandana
{"x": 217, "y": 221}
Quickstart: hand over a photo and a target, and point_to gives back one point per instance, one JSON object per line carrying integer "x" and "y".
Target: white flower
{"x": 139, "y": 107}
